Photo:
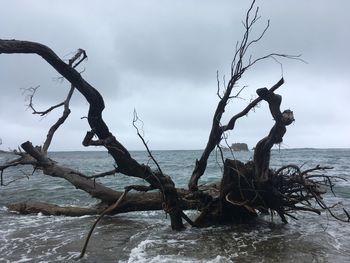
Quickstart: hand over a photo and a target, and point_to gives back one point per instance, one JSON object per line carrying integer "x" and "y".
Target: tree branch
{"x": 263, "y": 148}
{"x": 216, "y": 136}
{"x": 120, "y": 154}
{"x": 238, "y": 67}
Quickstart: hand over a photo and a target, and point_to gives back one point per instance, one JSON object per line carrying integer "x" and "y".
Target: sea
{"x": 147, "y": 236}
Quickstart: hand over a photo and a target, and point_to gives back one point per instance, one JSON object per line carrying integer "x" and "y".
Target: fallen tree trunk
{"x": 151, "y": 201}
{"x": 51, "y": 209}
{"x": 141, "y": 201}
{"x": 244, "y": 188}
{"x": 76, "y": 178}
{"x": 126, "y": 164}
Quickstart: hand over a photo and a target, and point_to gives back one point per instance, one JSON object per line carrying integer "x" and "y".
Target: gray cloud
{"x": 161, "y": 57}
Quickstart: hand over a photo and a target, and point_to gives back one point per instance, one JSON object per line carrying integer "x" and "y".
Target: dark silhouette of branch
{"x": 263, "y": 148}
{"x": 231, "y": 124}
{"x": 30, "y": 93}
{"x": 244, "y": 188}
{"x": 88, "y": 140}
{"x": 66, "y": 111}
{"x": 59, "y": 122}
{"x": 99, "y": 175}
{"x": 134, "y": 121}
{"x": 238, "y": 67}
{"x": 299, "y": 188}
{"x": 109, "y": 209}
{"x": 126, "y": 164}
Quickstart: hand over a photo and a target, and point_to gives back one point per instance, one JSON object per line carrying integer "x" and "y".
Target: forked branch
{"x": 125, "y": 163}
{"x": 238, "y": 67}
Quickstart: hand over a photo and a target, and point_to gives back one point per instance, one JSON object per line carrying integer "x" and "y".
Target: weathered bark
{"x": 50, "y": 209}
{"x": 239, "y": 65}
{"x": 241, "y": 194}
{"x": 150, "y": 201}
{"x": 126, "y": 164}
{"x": 263, "y": 148}
{"x": 134, "y": 202}
{"x": 76, "y": 178}
{"x": 237, "y": 197}
{"x": 59, "y": 122}
{"x": 244, "y": 188}
{"x": 287, "y": 190}
{"x": 216, "y": 134}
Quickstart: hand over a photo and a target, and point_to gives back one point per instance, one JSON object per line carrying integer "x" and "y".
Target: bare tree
{"x": 243, "y": 189}
{"x": 240, "y": 64}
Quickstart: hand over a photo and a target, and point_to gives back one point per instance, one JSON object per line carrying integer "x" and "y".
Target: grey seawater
{"x": 147, "y": 237}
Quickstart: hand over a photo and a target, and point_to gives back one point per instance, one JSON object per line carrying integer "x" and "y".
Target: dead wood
{"x": 244, "y": 190}
{"x": 216, "y": 134}
{"x": 126, "y": 164}
{"x": 151, "y": 201}
{"x": 262, "y": 150}
{"x": 51, "y": 209}
{"x": 286, "y": 191}
{"x": 239, "y": 66}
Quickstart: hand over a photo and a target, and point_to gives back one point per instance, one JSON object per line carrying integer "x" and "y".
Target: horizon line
{"x": 164, "y": 150}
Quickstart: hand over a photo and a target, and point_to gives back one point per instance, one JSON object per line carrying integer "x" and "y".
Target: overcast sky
{"x": 161, "y": 58}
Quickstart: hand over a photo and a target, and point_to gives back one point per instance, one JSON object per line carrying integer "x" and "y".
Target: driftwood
{"x": 126, "y": 164}
{"x": 244, "y": 189}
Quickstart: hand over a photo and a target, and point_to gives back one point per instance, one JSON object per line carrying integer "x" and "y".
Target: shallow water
{"x": 147, "y": 237}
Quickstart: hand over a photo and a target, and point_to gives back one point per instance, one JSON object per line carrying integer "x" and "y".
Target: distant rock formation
{"x": 237, "y": 147}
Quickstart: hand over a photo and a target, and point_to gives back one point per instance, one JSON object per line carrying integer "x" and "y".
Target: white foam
{"x": 24, "y": 258}
{"x": 222, "y": 259}
{"x": 3, "y": 208}
{"x": 138, "y": 253}
{"x": 180, "y": 259}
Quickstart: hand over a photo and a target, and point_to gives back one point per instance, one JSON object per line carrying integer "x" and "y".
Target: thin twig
{"x": 99, "y": 175}
{"x": 109, "y": 209}
{"x": 135, "y": 120}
